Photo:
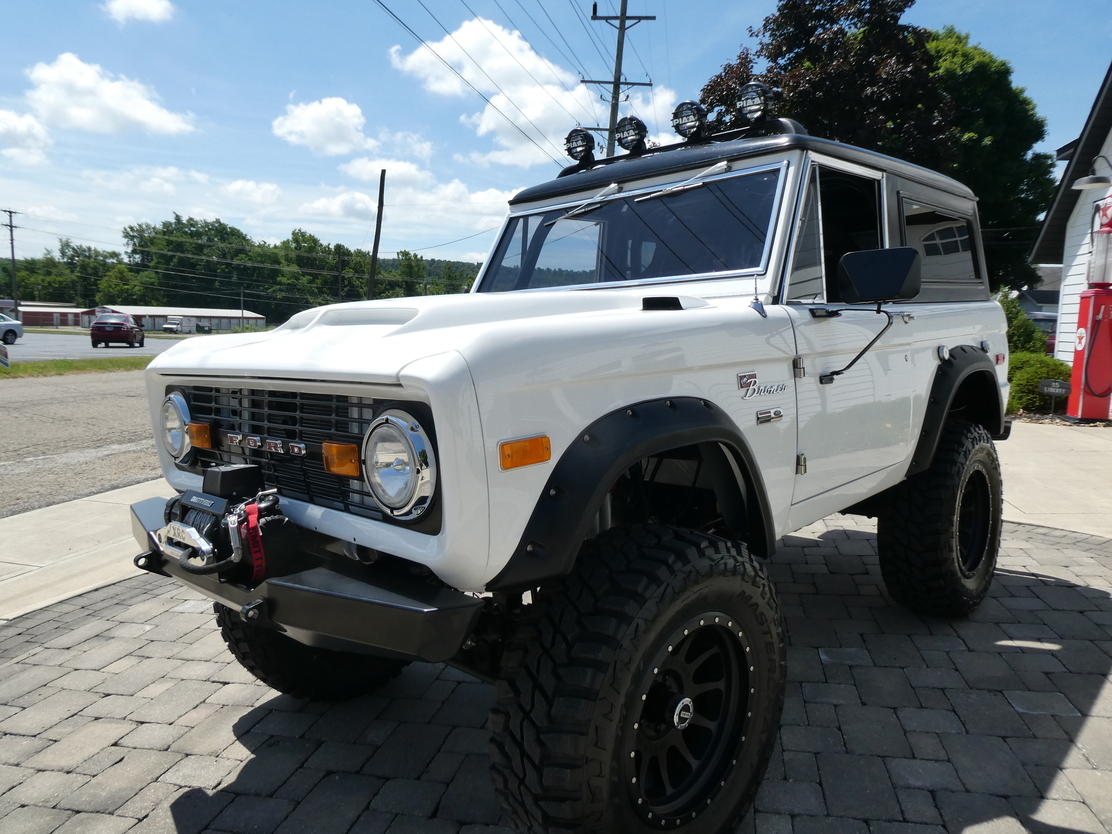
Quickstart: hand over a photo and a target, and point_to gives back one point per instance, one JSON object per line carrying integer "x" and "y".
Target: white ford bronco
{"x": 566, "y": 480}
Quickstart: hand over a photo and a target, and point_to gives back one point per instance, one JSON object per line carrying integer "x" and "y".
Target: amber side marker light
{"x": 341, "y": 459}
{"x": 515, "y": 453}
{"x": 200, "y": 435}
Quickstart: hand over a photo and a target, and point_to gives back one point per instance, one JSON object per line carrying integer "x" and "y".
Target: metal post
{"x": 624, "y": 24}
{"x": 373, "y": 272}
{"x": 15, "y": 286}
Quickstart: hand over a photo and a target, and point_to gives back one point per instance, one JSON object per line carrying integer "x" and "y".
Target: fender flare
{"x": 604, "y": 450}
{"x": 966, "y": 364}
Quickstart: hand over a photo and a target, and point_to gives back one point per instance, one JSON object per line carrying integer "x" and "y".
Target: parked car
{"x": 116, "y": 327}
{"x": 1048, "y": 324}
{"x": 10, "y": 329}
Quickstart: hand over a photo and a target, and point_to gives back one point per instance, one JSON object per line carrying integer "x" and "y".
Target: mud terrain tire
{"x": 939, "y": 534}
{"x": 644, "y": 694}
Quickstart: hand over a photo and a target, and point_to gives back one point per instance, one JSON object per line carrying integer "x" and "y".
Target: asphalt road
{"x": 34, "y": 347}
{"x": 66, "y": 437}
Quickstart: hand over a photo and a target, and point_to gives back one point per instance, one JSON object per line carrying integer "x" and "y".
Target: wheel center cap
{"x": 685, "y": 711}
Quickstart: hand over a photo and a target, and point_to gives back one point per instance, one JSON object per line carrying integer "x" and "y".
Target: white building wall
{"x": 1075, "y": 259}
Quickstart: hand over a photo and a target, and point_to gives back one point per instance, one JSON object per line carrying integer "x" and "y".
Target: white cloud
{"x": 25, "y": 140}
{"x": 149, "y": 180}
{"x": 539, "y": 97}
{"x": 349, "y": 204}
{"x": 329, "y": 127}
{"x": 398, "y": 172}
{"x": 262, "y": 193}
{"x": 71, "y": 93}
{"x": 154, "y": 11}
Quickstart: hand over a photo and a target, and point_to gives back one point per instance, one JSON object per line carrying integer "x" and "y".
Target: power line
{"x": 494, "y": 83}
{"x": 471, "y": 86}
{"x": 517, "y": 60}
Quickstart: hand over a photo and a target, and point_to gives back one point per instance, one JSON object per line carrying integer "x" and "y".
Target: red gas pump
{"x": 1091, "y": 381}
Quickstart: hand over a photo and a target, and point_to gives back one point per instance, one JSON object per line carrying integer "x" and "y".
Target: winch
{"x": 233, "y": 527}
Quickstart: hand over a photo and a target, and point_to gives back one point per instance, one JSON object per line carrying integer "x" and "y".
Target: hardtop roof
{"x": 684, "y": 156}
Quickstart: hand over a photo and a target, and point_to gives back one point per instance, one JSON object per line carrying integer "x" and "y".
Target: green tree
{"x": 120, "y": 285}
{"x": 850, "y": 70}
{"x": 1023, "y": 336}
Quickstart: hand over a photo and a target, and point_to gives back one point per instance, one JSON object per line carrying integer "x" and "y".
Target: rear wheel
{"x": 9, "y": 337}
{"x": 939, "y": 534}
{"x": 95, "y": 343}
{"x": 644, "y": 694}
{"x": 299, "y": 670}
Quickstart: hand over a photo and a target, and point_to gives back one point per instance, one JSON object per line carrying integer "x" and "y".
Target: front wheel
{"x": 9, "y": 337}
{"x": 939, "y": 533}
{"x": 299, "y": 670}
{"x": 645, "y": 693}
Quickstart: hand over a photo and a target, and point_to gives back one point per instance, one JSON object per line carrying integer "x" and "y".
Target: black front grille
{"x": 287, "y": 417}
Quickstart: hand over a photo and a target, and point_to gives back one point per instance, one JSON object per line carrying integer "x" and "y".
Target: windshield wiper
{"x": 590, "y": 205}
{"x": 697, "y": 181}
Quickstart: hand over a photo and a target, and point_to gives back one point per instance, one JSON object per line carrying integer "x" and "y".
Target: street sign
{"x": 1054, "y": 388}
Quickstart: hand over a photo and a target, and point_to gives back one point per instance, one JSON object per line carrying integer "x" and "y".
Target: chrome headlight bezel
{"x": 413, "y": 500}
{"x": 179, "y": 446}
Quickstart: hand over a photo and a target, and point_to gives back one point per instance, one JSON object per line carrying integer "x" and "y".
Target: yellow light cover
{"x": 200, "y": 435}
{"x": 515, "y": 453}
{"x": 341, "y": 459}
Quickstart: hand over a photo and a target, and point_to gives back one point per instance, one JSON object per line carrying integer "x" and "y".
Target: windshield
{"x": 719, "y": 225}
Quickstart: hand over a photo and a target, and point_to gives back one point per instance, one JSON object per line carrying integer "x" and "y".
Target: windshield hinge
{"x": 798, "y": 370}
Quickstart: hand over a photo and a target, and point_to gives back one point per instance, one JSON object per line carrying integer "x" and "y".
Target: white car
{"x": 566, "y": 480}
{"x": 10, "y": 329}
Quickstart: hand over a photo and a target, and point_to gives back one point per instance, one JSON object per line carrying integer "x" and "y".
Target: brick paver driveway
{"x": 122, "y": 711}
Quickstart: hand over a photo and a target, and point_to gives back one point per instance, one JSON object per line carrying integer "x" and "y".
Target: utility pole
{"x": 11, "y": 238}
{"x": 373, "y": 272}
{"x": 623, "y": 25}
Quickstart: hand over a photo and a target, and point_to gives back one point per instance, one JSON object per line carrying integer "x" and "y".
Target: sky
{"x": 273, "y": 116}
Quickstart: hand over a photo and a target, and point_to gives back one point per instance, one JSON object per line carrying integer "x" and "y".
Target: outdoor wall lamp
{"x": 1093, "y": 181}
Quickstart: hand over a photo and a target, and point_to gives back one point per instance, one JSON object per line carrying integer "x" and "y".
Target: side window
{"x": 944, "y": 241}
{"x": 841, "y": 214}
{"x": 805, "y": 284}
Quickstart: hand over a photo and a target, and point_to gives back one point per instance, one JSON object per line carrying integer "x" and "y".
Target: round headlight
{"x": 175, "y": 418}
{"x": 399, "y": 467}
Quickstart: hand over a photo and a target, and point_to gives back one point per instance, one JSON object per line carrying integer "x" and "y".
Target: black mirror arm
{"x": 828, "y": 378}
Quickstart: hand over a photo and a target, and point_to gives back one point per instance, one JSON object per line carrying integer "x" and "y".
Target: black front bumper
{"x": 337, "y": 606}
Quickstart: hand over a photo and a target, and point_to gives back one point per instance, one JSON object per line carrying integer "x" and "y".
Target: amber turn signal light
{"x": 341, "y": 459}
{"x": 200, "y": 435}
{"x": 515, "y": 453}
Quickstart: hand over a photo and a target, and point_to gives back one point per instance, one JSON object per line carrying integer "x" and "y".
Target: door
{"x": 858, "y": 422}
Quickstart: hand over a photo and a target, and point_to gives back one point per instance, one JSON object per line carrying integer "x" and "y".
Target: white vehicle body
{"x": 493, "y": 367}
{"x": 179, "y": 324}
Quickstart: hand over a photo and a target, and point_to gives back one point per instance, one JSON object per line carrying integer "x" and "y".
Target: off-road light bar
{"x": 579, "y": 144}
{"x": 631, "y": 133}
{"x": 689, "y": 119}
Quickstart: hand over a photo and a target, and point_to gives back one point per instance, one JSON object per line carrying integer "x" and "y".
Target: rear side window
{"x": 945, "y": 244}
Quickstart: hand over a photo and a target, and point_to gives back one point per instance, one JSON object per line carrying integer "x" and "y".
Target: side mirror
{"x": 878, "y": 275}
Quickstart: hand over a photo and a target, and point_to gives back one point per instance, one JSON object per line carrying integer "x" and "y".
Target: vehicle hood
{"x": 372, "y": 341}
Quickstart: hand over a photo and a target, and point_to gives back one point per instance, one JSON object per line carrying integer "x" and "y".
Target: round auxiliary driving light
{"x": 399, "y": 467}
{"x": 579, "y": 144}
{"x": 689, "y": 119}
{"x": 631, "y": 133}
{"x": 754, "y": 101}
{"x": 172, "y": 423}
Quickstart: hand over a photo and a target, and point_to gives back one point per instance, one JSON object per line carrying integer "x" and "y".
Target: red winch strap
{"x": 255, "y": 543}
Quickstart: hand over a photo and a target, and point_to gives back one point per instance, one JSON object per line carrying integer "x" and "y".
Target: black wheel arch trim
{"x": 965, "y": 363}
{"x": 604, "y": 450}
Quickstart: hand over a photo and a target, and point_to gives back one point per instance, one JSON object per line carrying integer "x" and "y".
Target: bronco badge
{"x": 748, "y": 383}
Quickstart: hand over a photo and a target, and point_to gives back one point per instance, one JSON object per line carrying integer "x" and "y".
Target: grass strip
{"x": 61, "y": 367}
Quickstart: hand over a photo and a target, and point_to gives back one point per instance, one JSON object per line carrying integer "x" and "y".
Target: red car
{"x": 116, "y": 327}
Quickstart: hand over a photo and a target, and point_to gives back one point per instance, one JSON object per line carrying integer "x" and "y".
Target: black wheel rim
{"x": 688, "y": 717}
{"x": 974, "y": 521}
